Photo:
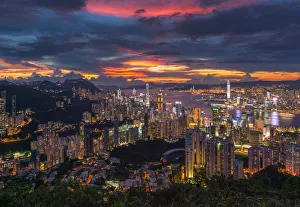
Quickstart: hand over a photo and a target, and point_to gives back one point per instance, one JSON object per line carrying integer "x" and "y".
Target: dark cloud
{"x": 140, "y": 11}
{"x": 176, "y": 14}
{"x": 151, "y": 21}
{"x": 60, "y": 5}
{"x": 243, "y": 20}
{"x": 211, "y": 2}
{"x": 162, "y": 53}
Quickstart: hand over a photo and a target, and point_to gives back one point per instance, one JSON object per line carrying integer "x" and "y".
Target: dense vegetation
{"x": 267, "y": 188}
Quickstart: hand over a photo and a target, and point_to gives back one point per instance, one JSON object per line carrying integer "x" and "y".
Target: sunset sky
{"x": 194, "y": 41}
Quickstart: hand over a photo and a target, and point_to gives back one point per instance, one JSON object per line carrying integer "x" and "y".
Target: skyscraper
{"x": 270, "y": 156}
{"x": 116, "y": 131}
{"x": 292, "y": 158}
{"x": 14, "y": 105}
{"x": 178, "y": 106}
{"x": 238, "y": 169}
{"x": 3, "y": 114}
{"x": 219, "y": 156}
{"x": 134, "y": 92}
{"x": 88, "y": 142}
{"x": 160, "y": 100}
{"x": 254, "y": 156}
{"x": 228, "y": 89}
{"x": 147, "y": 95}
{"x": 189, "y": 154}
{"x": 201, "y": 139}
{"x": 119, "y": 95}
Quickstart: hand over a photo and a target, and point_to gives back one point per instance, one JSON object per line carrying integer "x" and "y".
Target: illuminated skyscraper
{"x": 189, "y": 154}
{"x": 3, "y": 114}
{"x": 119, "y": 95}
{"x": 200, "y": 138}
{"x": 228, "y": 89}
{"x": 134, "y": 92}
{"x": 160, "y": 100}
{"x": 178, "y": 106}
{"x": 270, "y": 156}
{"x": 216, "y": 119}
{"x": 147, "y": 95}
{"x": 292, "y": 158}
{"x": 219, "y": 156}
{"x": 254, "y": 156}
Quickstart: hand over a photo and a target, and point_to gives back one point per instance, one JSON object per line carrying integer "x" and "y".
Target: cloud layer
{"x": 152, "y": 40}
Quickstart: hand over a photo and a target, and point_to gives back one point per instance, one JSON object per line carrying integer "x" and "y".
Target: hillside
{"x": 27, "y": 97}
{"x": 76, "y": 83}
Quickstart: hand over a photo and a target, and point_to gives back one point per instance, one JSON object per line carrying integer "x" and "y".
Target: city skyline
{"x": 192, "y": 41}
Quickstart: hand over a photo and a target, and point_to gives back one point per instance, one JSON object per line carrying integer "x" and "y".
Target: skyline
{"x": 193, "y": 41}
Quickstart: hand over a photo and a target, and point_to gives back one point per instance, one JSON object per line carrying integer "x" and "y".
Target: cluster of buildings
{"x": 150, "y": 179}
{"x": 9, "y": 122}
{"x": 214, "y": 154}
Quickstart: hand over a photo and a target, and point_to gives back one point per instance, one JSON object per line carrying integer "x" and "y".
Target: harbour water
{"x": 188, "y": 101}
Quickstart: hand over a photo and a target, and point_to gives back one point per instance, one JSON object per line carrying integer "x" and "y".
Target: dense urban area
{"x": 109, "y": 145}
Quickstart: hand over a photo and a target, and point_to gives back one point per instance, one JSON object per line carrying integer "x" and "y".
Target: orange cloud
{"x": 143, "y": 63}
{"x": 219, "y": 73}
{"x": 157, "y": 7}
{"x": 124, "y": 72}
{"x": 165, "y": 79}
{"x": 24, "y": 69}
{"x": 276, "y": 76}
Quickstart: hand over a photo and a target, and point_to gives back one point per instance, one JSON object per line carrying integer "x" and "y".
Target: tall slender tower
{"x": 119, "y": 95}
{"x": 147, "y": 95}
{"x": 134, "y": 92}
{"x": 160, "y": 101}
{"x": 228, "y": 89}
{"x": 14, "y": 109}
{"x": 3, "y": 114}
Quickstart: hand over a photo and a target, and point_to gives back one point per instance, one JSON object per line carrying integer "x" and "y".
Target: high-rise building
{"x": 189, "y": 154}
{"x": 178, "y": 106}
{"x": 292, "y": 158}
{"x": 147, "y": 95}
{"x": 146, "y": 124}
{"x": 254, "y": 157}
{"x": 160, "y": 101}
{"x": 238, "y": 169}
{"x": 256, "y": 138}
{"x": 87, "y": 117}
{"x": 196, "y": 114}
{"x": 216, "y": 119}
{"x": 228, "y": 89}
{"x": 88, "y": 142}
{"x": 133, "y": 92}
{"x": 119, "y": 95}
{"x": 3, "y": 114}
{"x": 219, "y": 156}
{"x": 116, "y": 131}
{"x": 200, "y": 139}
{"x": 105, "y": 139}
{"x": 270, "y": 156}
{"x": 14, "y": 110}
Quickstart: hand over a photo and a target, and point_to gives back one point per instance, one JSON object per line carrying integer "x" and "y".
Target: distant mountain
{"x": 45, "y": 85}
{"x": 76, "y": 83}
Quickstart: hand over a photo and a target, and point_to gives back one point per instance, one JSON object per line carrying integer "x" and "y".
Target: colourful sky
{"x": 112, "y": 41}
